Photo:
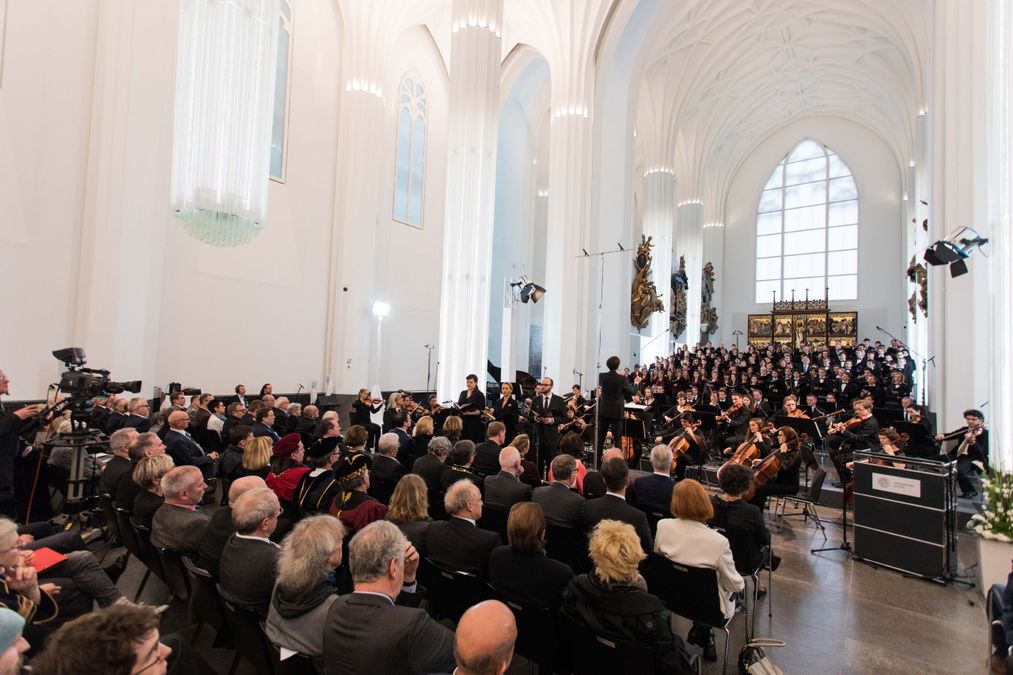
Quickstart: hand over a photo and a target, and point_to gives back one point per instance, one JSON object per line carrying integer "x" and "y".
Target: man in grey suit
{"x": 560, "y": 504}
{"x": 365, "y": 631}
{"x": 613, "y": 505}
{"x": 505, "y": 489}
{"x": 179, "y": 523}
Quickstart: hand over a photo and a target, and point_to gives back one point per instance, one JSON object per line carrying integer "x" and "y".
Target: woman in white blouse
{"x": 687, "y": 540}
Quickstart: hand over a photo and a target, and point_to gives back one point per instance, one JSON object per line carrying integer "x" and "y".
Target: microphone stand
{"x": 925, "y": 362}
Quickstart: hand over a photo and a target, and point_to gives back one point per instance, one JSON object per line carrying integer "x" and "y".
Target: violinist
{"x": 363, "y": 407}
{"x": 970, "y": 451}
{"x": 472, "y": 405}
{"x": 571, "y": 420}
{"x": 577, "y": 397}
{"x": 736, "y": 419}
{"x": 785, "y": 482}
{"x": 811, "y": 408}
{"x": 395, "y": 404}
{"x": 891, "y": 443}
{"x": 861, "y": 432}
{"x": 791, "y": 408}
{"x": 506, "y": 410}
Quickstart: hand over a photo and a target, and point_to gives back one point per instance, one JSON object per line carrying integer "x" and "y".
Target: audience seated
{"x": 230, "y": 464}
{"x": 561, "y": 505}
{"x": 264, "y": 426}
{"x": 409, "y": 510}
{"x": 355, "y": 507}
{"x": 462, "y": 456}
{"x": 119, "y": 466}
{"x": 305, "y": 590}
{"x": 20, "y": 590}
{"x": 248, "y": 563}
{"x": 458, "y": 543}
{"x": 613, "y": 600}
{"x": 386, "y": 467}
{"x": 257, "y": 457}
{"x": 183, "y": 449}
{"x": 520, "y": 570}
{"x": 422, "y": 433}
{"x": 687, "y": 540}
{"x": 147, "y": 444}
{"x": 318, "y": 487}
{"x": 13, "y": 645}
{"x": 731, "y": 511}
{"x": 287, "y": 468}
{"x": 504, "y": 489}
{"x": 432, "y": 465}
{"x": 148, "y": 476}
{"x": 365, "y": 631}
{"x": 653, "y": 492}
{"x": 487, "y": 453}
{"x": 594, "y": 482}
{"x": 484, "y": 641}
{"x": 530, "y": 474}
{"x": 452, "y": 428}
{"x": 138, "y": 415}
{"x": 179, "y": 523}
{"x": 221, "y": 527}
{"x": 234, "y": 414}
{"x": 613, "y": 506}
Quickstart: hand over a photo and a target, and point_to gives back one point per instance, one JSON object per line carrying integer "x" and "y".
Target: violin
{"x": 850, "y": 424}
{"x": 797, "y": 413}
{"x": 376, "y": 401}
{"x": 727, "y": 415}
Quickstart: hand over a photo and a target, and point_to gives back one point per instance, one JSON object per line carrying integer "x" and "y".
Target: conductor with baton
{"x": 615, "y": 390}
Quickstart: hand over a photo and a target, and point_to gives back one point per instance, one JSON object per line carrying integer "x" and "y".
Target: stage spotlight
{"x": 954, "y": 250}
{"x": 529, "y": 291}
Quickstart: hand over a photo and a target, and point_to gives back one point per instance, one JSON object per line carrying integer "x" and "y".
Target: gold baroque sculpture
{"x": 645, "y": 300}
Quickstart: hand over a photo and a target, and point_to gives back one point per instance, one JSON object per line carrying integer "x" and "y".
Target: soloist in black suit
{"x": 546, "y": 440}
{"x": 459, "y": 545}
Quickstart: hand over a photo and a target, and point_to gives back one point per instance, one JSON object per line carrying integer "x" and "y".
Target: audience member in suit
{"x": 613, "y": 505}
{"x": 241, "y": 396}
{"x": 233, "y": 417}
{"x": 264, "y": 425}
{"x": 549, "y": 411}
{"x": 530, "y": 475}
{"x": 147, "y": 475}
{"x": 99, "y": 413}
{"x": 308, "y": 420}
{"x": 613, "y": 601}
{"x": 294, "y": 416}
{"x": 221, "y": 527}
{"x": 484, "y": 639}
{"x": 409, "y": 510}
{"x": 179, "y": 523}
{"x": 505, "y": 489}
{"x": 653, "y": 493}
{"x": 687, "y": 540}
{"x": 120, "y": 465}
{"x": 462, "y": 457}
{"x": 615, "y": 391}
{"x": 521, "y": 571}
{"x": 176, "y": 401}
{"x": 487, "y": 453}
{"x": 406, "y": 453}
{"x": 386, "y": 470}
{"x": 118, "y": 416}
{"x": 422, "y": 433}
{"x": 560, "y": 503}
{"x": 183, "y": 449}
{"x": 433, "y": 464}
{"x": 147, "y": 444}
{"x": 367, "y": 631}
{"x": 138, "y": 410}
{"x": 248, "y": 564}
{"x": 230, "y": 464}
{"x": 594, "y": 483}
{"x": 731, "y": 511}
{"x": 355, "y": 507}
{"x": 458, "y": 543}
{"x": 281, "y": 415}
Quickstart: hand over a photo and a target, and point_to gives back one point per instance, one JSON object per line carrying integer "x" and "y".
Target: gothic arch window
{"x": 410, "y": 160}
{"x": 279, "y": 127}
{"x": 807, "y": 228}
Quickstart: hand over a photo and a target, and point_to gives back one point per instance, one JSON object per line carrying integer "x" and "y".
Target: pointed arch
{"x": 410, "y": 156}
{"x": 807, "y": 227}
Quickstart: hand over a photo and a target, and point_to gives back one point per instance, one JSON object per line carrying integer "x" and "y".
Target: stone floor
{"x": 835, "y": 614}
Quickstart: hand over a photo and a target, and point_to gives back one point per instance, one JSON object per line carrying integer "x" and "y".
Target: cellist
{"x": 694, "y": 453}
{"x": 785, "y": 482}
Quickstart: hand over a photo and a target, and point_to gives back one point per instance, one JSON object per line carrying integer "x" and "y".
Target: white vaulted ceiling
{"x": 722, "y": 75}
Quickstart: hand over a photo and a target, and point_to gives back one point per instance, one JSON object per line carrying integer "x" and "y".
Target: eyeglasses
{"x": 159, "y": 658}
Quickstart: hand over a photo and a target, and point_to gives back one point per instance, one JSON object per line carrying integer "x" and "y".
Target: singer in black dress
{"x": 472, "y": 404}
{"x": 506, "y": 410}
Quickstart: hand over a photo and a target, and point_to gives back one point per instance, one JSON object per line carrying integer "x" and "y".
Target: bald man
{"x": 220, "y": 528}
{"x": 184, "y": 450}
{"x": 484, "y": 641}
{"x": 505, "y": 488}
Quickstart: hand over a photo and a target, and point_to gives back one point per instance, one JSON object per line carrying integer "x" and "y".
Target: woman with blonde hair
{"x": 148, "y": 474}
{"x": 687, "y": 540}
{"x": 257, "y": 457}
{"x": 409, "y": 509}
{"x": 423, "y": 433}
{"x": 613, "y": 600}
{"x": 452, "y": 428}
{"x": 305, "y": 587}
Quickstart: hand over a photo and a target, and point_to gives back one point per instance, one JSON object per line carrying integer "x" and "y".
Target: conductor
{"x": 615, "y": 391}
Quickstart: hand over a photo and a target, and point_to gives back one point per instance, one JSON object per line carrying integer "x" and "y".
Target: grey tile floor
{"x": 837, "y": 615}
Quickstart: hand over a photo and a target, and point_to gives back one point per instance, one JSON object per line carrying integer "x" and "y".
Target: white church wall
{"x": 881, "y": 267}
{"x": 45, "y": 104}
{"x": 256, "y": 313}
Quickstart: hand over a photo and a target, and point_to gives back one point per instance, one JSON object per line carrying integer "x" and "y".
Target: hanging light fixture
{"x": 224, "y": 114}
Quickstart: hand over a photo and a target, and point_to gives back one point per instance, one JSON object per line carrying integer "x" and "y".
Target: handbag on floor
{"x": 753, "y": 659}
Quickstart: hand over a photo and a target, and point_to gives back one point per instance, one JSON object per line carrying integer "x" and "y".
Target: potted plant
{"x": 994, "y": 527}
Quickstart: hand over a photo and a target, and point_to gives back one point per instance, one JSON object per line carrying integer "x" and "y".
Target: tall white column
{"x": 659, "y": 222}
{"x": 689, "y": 243}
{"x": 917, "y": 334}
{"x": 1000, "y": 125}
{"x": 714, "y": 253}
{"x": 365, "y": 46}
{"x": 126, "y": 207}
{"x": 471, "y": 185}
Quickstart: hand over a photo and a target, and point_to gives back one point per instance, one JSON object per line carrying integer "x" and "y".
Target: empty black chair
{"x": 690, "y": 592}
{"x": 451, "y": 592}
{"x": 494, "y": 520}
{"x": 749, "y": 561}
{"x": 174, "y": 573}
{"x": 251, "y": 641}
{"x": 205, "y": 602}
{"x": 807, "y": 501}
{"x": 130, "y": 542}
{"x": 436, "y": 510}
{"x": 148, "y": 554}
{"x": 112, "y": 521}
{"x": 652, "y": 520}
{"x": 538, "y": 635}
{"x": 592, "y": 654}
{"x": 568, "y": 545}
{"x": 382, "y": 488}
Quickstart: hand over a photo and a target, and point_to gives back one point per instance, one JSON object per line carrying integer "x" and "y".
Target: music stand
{"x": 801, "y": 425}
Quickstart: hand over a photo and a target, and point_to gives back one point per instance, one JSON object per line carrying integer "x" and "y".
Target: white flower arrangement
{"x": 996, "y": 520}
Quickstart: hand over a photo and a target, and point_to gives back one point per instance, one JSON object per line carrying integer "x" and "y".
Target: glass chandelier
{"x": 224, "y": 111}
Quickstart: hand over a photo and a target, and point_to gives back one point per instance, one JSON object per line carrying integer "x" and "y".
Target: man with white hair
{"x": 138, "y": 411}
{"x": 221, "y": 527}
{"x": 653, "y": 493}
{"x": 432, "y": 465}
{"x": 386, "y": 470}
{"x": 179, "y": 523}
{"x": 281, "y": 415}
{"x": 120, "y": 465}
{"x": 369, "y": 630}
{"x": 505, "y": 488}
{"x": 458, "y": 543}
{"x": 247, "y": 568}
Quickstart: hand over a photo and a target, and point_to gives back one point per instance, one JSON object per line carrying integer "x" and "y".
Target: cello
{"x": 679, "y": 444}
{"x": 768, "y": 469}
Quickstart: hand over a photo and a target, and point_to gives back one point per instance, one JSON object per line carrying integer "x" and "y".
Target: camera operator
{"x": 12, "y": 425}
